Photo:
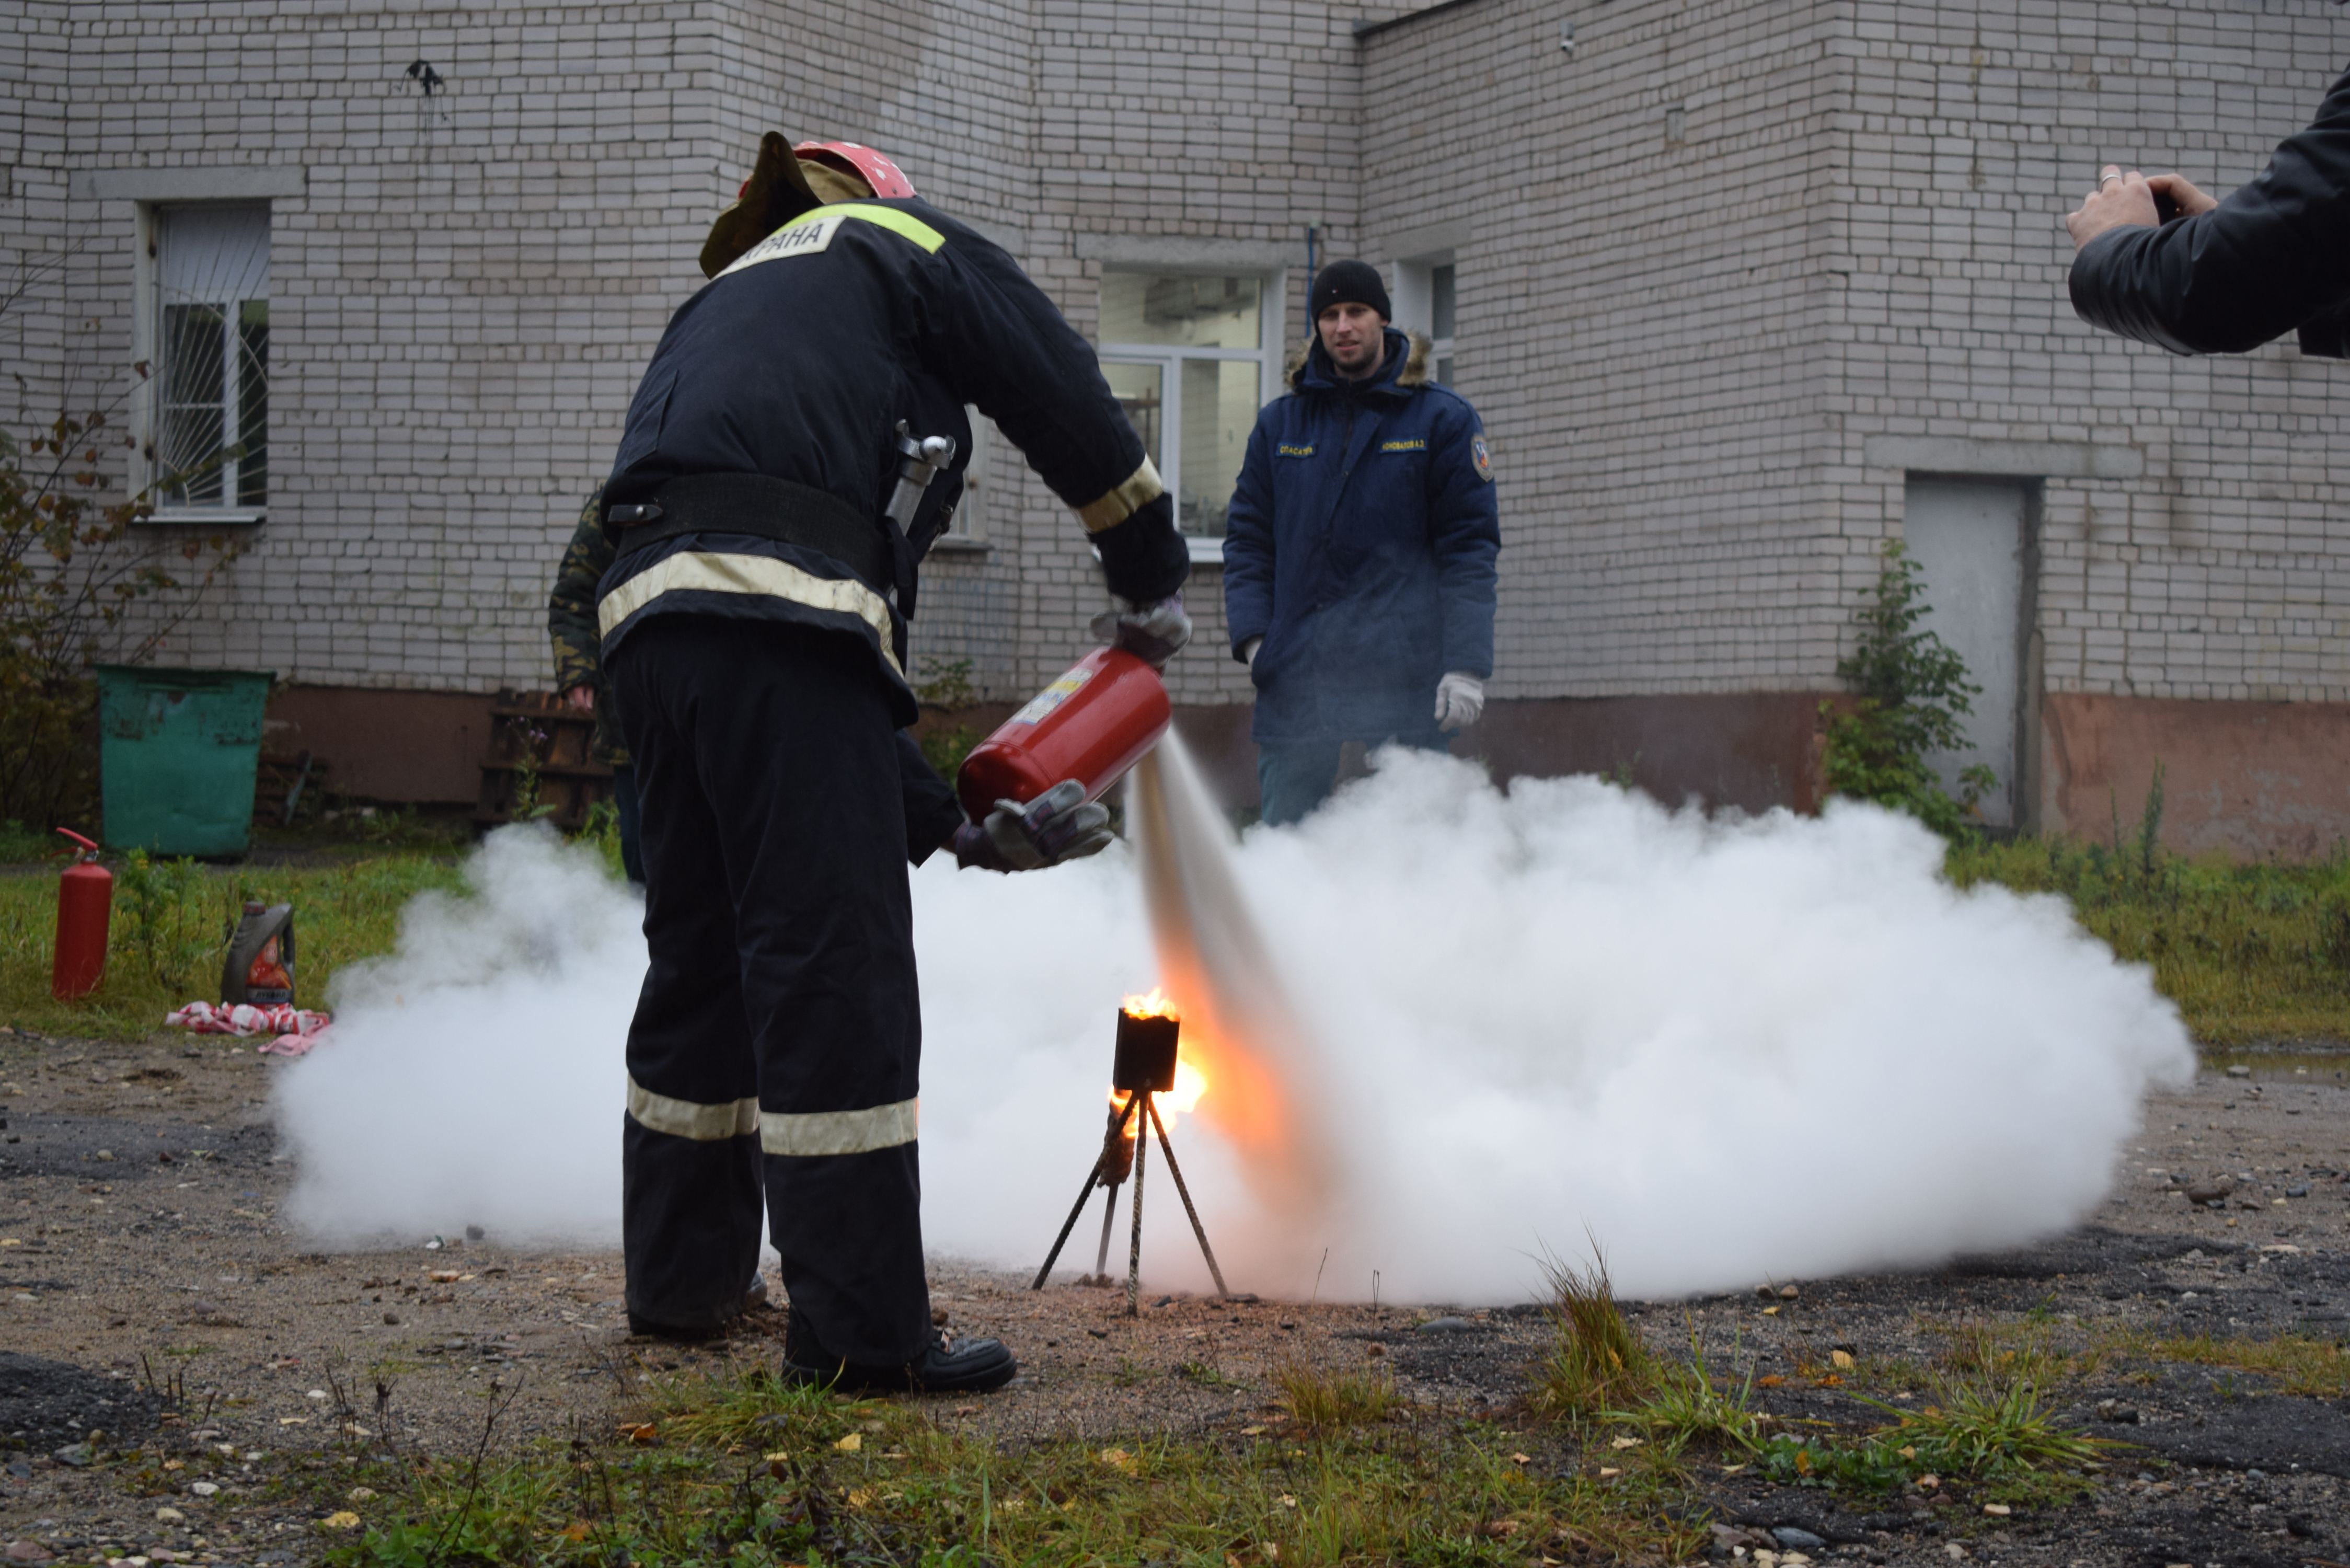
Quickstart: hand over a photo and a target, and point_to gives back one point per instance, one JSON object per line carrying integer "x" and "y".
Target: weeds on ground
{"x": 20, "y": 845}
{"x": 1985, "y": 1422}
{"x": 171, "y": 924}
{"x": 743, "y": 1469}
{"x": 1598, "y": 1363}
{"x": 2299, "y": 1363}
{"x": 1691, "y": 1405}
{"x": 2026, "y": 1352}
{"x": 2256, "y": 951}
{"x": 1328, "y": 1398}
{"x": 1997, "y": 1433}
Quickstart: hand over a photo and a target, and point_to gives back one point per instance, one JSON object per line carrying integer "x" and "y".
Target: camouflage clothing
{"x": 571, "y": 620}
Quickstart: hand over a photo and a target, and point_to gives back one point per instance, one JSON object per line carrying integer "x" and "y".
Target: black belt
{"x": 768, "y": 508}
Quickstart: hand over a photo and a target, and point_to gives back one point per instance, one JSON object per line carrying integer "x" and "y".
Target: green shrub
{"x": 1911, "y": 690}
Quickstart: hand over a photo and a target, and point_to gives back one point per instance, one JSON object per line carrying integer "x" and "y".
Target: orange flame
{"x": 1190, "y": 1085}
{"x": 1151, "y": 1003}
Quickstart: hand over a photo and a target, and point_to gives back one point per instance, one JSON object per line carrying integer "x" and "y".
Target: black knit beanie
{"x": 1350, "y": 283}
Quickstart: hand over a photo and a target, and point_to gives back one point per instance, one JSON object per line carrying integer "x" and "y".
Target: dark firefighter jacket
{"x": 2267, "y": 260}
{"x": 798, "y": 361}
{"x": 1360, "y": 546}
{"x": 931, "y": 810}
{"x": 571, "y": 622}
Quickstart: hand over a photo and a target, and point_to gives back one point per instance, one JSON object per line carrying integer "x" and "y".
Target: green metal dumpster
{"x": 178, "y": 749}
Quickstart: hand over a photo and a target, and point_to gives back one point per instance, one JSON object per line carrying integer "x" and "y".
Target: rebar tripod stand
{"x": 1145, "y": 1067}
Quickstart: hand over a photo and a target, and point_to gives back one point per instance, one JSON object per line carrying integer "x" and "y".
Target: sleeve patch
{"x": 1482, "y": 458}
{"x": 1286, "y": 450}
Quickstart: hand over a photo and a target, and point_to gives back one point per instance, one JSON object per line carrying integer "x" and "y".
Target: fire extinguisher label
{"x": 1052, "y": 697}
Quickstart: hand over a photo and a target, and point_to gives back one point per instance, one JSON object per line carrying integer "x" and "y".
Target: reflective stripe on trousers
{"x": 812, "y": 1133}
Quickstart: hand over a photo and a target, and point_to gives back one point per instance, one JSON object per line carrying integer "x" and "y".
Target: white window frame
{"x": 146, "y": 338}
{"x": 1169, "y": 359}
{"x": 1414, "y": 298}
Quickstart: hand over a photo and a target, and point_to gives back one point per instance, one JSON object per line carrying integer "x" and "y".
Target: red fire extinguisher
{"x": 1091, "y": 725}
{"x": 85, "y": 904}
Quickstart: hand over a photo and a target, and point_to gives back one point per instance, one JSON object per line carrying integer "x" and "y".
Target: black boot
{"x": 966, "y": 1367}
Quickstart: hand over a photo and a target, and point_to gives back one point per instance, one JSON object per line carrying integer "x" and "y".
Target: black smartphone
{"x": 2165, "y": 209}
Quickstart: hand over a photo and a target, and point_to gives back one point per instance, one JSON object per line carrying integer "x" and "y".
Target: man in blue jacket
{"x": 1358, "y": 553}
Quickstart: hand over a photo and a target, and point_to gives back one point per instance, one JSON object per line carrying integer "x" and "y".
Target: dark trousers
{"x": 1294, "y": 776}
{"x": 624, "y": 806}
{"x": 777, "y": 1043}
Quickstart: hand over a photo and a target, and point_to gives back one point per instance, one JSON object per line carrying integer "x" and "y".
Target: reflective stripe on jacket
{"x": 798, "y": 361}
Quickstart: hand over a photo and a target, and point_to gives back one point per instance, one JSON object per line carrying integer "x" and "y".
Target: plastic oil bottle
{"x": 260, "y": 966}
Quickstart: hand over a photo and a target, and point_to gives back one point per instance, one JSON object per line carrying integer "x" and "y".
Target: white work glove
{"x": 1151, "y": 632}
{"x": 1248, "y": 651}
{"x": 1059, "y": 825}
{"x": 1460, "y": 698}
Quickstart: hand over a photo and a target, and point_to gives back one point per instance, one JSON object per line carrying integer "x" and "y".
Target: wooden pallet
{"x": 536, "y": 728}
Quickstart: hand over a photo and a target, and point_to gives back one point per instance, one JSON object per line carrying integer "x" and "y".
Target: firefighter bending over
{"x": 754, "y": 632}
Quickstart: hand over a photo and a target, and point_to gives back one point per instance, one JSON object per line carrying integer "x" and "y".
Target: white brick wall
{"x": 1681, "y": 346}
{"x": 1682, "y": 350}
{"x": 461, "y": 299}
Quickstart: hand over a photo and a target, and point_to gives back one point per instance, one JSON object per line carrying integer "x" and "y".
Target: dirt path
{"x": 152, "y": 1303}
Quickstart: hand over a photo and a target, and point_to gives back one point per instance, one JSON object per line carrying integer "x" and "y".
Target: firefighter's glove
{"x": 1460, "y": 698}
{"x": 1059, "y": 825}
{"x": 1151, "y": 632}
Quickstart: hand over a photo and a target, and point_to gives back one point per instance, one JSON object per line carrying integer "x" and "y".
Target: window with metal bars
{"x": 211, "y": 431}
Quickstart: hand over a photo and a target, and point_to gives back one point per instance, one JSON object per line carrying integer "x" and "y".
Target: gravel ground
{"x": 151, "y": 1302}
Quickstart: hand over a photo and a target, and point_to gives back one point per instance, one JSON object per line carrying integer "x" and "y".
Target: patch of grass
{"x": 1207, "y": 1376}
{"x": 170, "y": 929}
{"x": 1597, "y": 1362}
{"x": 2257, "y": 951}
{"x": 2001, "y": 1352}
{"x": 20, "y": 845}
{"x": 2300, "y": 1364}
{"x": 1687, "y": 1403}
{"x": 1991, "y": 1428}
{"x": 1995, "y": 1433}
{"x": 1326, "y": 1400}
{"x": 741, "y": 1470}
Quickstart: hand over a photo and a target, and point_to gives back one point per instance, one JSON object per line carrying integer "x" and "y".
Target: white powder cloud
{"x": 1497, "y": 1024}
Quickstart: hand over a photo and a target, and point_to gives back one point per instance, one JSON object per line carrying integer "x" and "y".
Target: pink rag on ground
{"x": 294, "y": 1030}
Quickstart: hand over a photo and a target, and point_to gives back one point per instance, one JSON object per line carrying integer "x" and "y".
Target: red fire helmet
{"x": 874, "y": 168}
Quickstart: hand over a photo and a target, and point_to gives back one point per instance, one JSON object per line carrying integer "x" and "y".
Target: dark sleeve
{"x": 1464, "y": 530}
{"x": 2265, "y": 261}
{"x": 931, "y": 814}
{"x": 1248, "y": 542}
{"x": 571, "y": 605}
{"x": 1000, "y": 344}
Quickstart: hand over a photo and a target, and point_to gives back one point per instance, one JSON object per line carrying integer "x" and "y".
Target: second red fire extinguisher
{"x": 85, "y": 908}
